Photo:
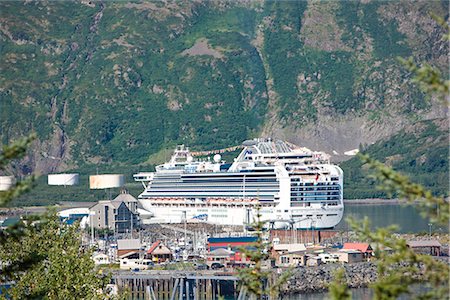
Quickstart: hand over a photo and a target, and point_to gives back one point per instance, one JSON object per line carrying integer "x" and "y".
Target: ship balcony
{"x": 143, "y": 176}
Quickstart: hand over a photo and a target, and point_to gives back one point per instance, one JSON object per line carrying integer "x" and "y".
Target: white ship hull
{"x": 320, "y": 218}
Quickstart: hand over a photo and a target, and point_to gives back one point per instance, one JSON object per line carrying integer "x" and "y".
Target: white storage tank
{"x": 63, "y": 179}
{"x": 6, "y": 182}
{"x": 106, "y": 181}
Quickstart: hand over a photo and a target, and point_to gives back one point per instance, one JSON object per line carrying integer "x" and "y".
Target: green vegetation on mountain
{"x": 421, "y": 152}
{"x": 110, "y": 85}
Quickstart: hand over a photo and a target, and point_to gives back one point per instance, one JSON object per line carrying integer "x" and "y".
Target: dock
{"x": 177, "y": 285}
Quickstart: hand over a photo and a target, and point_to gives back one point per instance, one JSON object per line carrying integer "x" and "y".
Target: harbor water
{"x": 406, "y": 217}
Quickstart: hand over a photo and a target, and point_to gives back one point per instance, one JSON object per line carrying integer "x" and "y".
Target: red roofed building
{"x": 158, "y": 252}
{"x": 364, "y": 248}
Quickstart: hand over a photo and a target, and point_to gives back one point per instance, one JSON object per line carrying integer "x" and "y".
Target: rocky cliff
{"x": 116, "y": 83}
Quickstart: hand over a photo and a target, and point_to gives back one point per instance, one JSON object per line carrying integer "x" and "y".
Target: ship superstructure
{"x": 292, "y": 186}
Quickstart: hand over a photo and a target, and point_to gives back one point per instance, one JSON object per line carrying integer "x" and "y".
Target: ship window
{"x": 286, "y": 210}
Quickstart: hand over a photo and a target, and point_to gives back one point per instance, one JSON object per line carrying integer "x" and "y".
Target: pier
{"x": 177, "y": 285}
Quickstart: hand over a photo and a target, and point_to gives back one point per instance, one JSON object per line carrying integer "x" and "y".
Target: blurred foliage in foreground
{"x": 9, "y": 153}
{"x": 44, "y": 259}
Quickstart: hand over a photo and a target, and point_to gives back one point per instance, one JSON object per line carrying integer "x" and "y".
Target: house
{"x": 287, "y": 255}
{"x": 292, "y": 259}
{"x": 350, "y": 256}
{"x": 128, "y": 248}
{"x": 220, "y": 255}
{"x": 364, "y": 248}
{"x": 158, "y": 252}
{"x": 100, "y": 259}
{"x": 119, "y": 215}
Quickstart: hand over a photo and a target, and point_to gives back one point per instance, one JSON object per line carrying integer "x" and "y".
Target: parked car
{"x": 215, "y": 266}
{"x": 202, "y": 267}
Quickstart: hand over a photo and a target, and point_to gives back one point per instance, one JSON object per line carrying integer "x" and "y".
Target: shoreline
{"x": 371, "y": 201}
{"x": 73, "y": 204}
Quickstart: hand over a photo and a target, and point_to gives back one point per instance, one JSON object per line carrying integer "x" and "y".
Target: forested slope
{"x": 115, "y": 84}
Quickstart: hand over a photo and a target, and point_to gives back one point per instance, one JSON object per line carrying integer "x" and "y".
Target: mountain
{"x": 420, "y": 151}
{"x": 118, "y": 83}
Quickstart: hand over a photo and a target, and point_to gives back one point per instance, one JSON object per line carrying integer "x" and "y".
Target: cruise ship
{"x": 292, "y": 187}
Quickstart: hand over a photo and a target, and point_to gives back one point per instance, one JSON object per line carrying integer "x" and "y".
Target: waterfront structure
{"x": 364, "y": 248}
{"x": 233, "y": 243}
{"x": 313, "y": 260}
{"x": 286, "y": 248}
{"x": 291, "y": 187}
{"x": 291, "y": 259}
{"x": 157, "y": 284}
{"x": 128, "y": 248}
{"x": 300, "y": 236}
{"x": 289, "y": 255}
{"x": 220, "y": 255}
{"x": 350, "y": 256}
{"x": 433, "y": 246}
{"x": 119, "y": 215}
{"x": 158, "y": 252}
{"x": 72, "y": 215}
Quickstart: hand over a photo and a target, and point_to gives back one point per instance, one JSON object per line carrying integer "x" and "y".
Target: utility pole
{"x": 92, "y": 214}
{"x": 194, "y": 242}
{"x": 185, "y": 228}
{"x": 131, "y": 225}
{"x": 294, "y": 233}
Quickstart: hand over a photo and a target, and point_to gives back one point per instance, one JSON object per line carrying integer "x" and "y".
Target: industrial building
{"x": 119, "y": 215}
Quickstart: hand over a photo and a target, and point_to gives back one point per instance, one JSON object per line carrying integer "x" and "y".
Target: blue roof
{"x": 78, "y": 216}
{"x": 70, "y": 221}
{"x": 239, "y": 239}
{"x": 10, "y": 221}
